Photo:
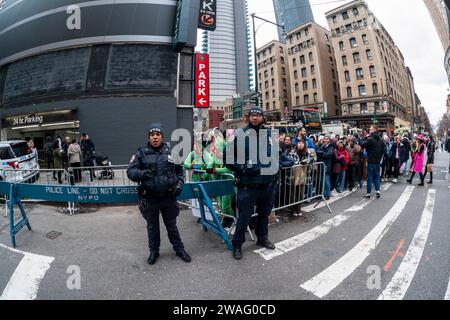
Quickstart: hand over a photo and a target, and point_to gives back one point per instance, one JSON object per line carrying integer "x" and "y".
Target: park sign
{"x": 207, "y": 18}
{"x": 201, "y": 80}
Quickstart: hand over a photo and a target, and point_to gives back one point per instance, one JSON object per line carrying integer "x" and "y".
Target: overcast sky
{"x": 412, "y": 29}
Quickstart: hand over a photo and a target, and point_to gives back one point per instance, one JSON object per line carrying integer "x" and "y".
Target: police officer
{"x": 254, "y": 189}
{"x": 160, "y": 182}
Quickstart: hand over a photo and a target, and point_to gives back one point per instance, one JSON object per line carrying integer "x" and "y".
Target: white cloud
{"x": 412, "y": 29}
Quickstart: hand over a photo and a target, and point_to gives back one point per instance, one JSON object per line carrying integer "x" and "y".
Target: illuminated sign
{"x": 207, "y": 17}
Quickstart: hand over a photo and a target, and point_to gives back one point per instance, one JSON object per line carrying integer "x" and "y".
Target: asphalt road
{"x": 396, "y": 247}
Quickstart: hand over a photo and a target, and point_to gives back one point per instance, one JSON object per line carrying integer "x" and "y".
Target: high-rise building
{"x": 229, "y": 50}
{"x": 313, "y": 72}
{"x": 291, "y": 14}
{"x": 274, "y": 84}
{"x": 375, "y": 87}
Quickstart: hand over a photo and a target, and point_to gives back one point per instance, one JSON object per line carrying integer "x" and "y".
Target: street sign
{"x": 201, "y": 80}
{"x": 207, "y": 18}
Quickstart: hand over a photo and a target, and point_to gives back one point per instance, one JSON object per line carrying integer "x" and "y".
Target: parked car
{"x": 18, "y": 163}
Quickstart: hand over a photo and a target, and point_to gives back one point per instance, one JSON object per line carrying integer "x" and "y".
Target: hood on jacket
{"x": 376, "y": 136}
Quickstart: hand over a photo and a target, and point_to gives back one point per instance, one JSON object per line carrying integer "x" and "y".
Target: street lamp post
{"x": 255, "y": 52}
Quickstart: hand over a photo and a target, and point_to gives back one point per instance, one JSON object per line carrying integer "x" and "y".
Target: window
{"x": 363, "y": 107}
{"x": 350, "y": 108}
{"x": 341, "y": 45}
{"x": 362, "y": 90}
{"x": 297, "y": 88}
{"x": 315, "y": 97}
{"x": 347, "y": 76}
{"x": 356, "y": 57}
{"x": 331, "y": 60}
{"x": 314, "y": 83}
{"x": 344, "y": 60}
{"x": 273, "y": 93}
{"x": 348, "y": 28}
{"x": 294, "y": 62}
{"x": 271, "y": 72}
{"x": 267, "y": 95}
{"x": 369, "y": 54}
{"x": 304, "y": 73}
{"x": 297, "y": 100}
{"x": 285, "y": 103}
{"x": 345, "y": 15}
{"x": 285, "y": 94}
{"x": 313, "y": 69}
{"x": 266, "y": 84}
{"x": 273, "y": 82}
{"x": 281, "y": 50}
{"x": 349, "y": 92}
{"x": 333, "y": 74}
{"x": 302, "y": 59}
{"x": 359, "y": 74}
{"x": 375, "y": 88}
{"x": 372, "y": 72}
{"x": 266, "y": 74}
{"x": 306, "y": 98}
{"x": 283, "y": 71}
{"x": 305, "y": 85}
{"x": 355, "y": 11}
{"x": 377, "y": 106}
{"x": 365, "y": 39}
{"x": 267, "y": 106}
{"x": 353, "y": 43}
{"x": 284, "y": 82}
{"x": 311, "y": 57}
{"x": 334, "y": 19}
{"x": 282, "y": 60}
{"x": 295, "y": 74}
{"x": 334, "y": 86}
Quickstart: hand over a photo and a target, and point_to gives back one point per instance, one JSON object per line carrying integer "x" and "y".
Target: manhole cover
{"x": 53, "y": 235}
{"x": 302, "y": 218}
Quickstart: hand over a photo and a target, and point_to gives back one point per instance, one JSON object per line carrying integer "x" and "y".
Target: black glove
{"x": 176, "y": 191}
{"x": 146, "y": 174}
{"x": 210, "y": 170}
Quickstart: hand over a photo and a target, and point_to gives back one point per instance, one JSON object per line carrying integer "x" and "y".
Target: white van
{"x": 15, "y": 155}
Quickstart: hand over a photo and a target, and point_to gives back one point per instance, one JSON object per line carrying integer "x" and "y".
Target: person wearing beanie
{"x": 160, "y": 182}
{"x": 255, "y": 180}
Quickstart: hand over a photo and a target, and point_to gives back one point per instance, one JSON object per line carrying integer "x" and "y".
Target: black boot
{"x": 184, "y": 255}
{"x": 264, "y": 242}
{"x": 431, "y": 178}
{"x": 237, "y": 252}
{"x": 422, "y": 178}
{"x": 153, "y": 257}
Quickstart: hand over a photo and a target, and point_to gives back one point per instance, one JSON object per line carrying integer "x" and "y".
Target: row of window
{"x": 360, "y": 74}
{"x": 301, "y": 47}
{"x": 269, "y": 50}
{"x": 357, "y": 57}
{"x": 363, "y": 107}
{"x": 302, "y": 59}
{"x": 267, "y": 96}
{"x": 274, "y": 104}
{"x": 353, "y": 42}
{"x": 349, "y": 28}
{"x": 362, "y": 90}
{"x": 345, "y": 15}
{"x": 266, "y": 83}
{"x": 306, "y": 99}
{"x": 299, "y": 34}
{"x": 266, "y": 72}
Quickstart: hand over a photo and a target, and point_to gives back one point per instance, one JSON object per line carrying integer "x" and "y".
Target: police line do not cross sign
{"x": 201, "y": 80}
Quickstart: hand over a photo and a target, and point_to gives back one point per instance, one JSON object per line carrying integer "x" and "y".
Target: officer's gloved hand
{"x": 210, "y": 170}
{"x": 176, "y": 191}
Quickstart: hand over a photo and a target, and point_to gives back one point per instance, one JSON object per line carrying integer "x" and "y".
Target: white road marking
{"x": 396, "y": 289}
{"x": 314, "y": 233}
{"x": 447, "y": 294}
{"x": 24, "y": 282}
{"x": 330, "y": 278}
{"x": 332, "y": 199}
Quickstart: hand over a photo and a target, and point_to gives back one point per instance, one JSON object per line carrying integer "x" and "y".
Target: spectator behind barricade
{"x": 342, "y": 159}
{"x": 325, "y": 154}
{"x": 405, "y": 147}
{"x": 288, "y": 146}
{"x": 386, "y": 161}
{"x": 395, "y": 156}
{"x": 33, "y": 149}
{"x": 57, "y": 158}
{"x": 431, "y": 148}
{"x": 353, "y": 169}
{"x": 375, "y": 147}
{"x": 305, "y": 155}
{"x": 74, "y": 153}
{"x": 48, "y": 150}
{"x": 198, "y": 159}
{"x": 303, "y": 135}
{"x": 88, "y": 153}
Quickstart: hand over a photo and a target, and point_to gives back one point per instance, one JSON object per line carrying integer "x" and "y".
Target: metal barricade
{"x": 300, "y": 184}
{"x": 100, "y": 176}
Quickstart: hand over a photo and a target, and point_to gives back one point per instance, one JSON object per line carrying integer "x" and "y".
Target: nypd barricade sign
{"x": 201, "y": 80}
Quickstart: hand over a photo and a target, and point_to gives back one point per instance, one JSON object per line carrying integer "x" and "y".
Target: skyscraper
{"x": 229, "y": 50}
{"x": 291, "y": 13}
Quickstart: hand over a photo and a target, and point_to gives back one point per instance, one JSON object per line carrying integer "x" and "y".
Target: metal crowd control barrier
{"x": 300, "y": 184}
{"x": 202, "y": 191}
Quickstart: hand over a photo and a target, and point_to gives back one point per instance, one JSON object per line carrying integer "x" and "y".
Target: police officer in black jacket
{"x": 160, "y": 182}
{"x": 255, "y": 187}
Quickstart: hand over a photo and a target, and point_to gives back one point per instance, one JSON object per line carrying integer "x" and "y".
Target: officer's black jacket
{"x": 162, "y": 173}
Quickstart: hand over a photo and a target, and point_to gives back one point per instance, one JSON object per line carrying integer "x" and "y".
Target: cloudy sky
{"x": 410, "y": 26}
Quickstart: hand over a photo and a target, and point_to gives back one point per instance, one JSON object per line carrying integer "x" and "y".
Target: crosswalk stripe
{"x": 396, "y": 289}
{"x": 447, "y": 294}
{"x": 330, "y": 278}
{"x": 314, "y": 233}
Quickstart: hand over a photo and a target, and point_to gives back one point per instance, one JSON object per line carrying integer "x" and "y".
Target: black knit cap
{"x": 155, "y": 127}
{"x": 256, "y": 110}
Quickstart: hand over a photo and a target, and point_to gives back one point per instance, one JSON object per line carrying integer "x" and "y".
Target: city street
{"x": 396, "y": 247}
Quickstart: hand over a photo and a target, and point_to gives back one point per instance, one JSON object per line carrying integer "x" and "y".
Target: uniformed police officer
{"x": 160, "y": 182}
{"x": 254, "y": 189}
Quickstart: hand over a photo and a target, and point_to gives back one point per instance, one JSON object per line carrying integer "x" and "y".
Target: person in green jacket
{"x": 57, "y": 159}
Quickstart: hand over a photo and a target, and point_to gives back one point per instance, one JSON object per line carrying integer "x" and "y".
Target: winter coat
{"x": 431, "y": 148}
{"x": 57, "y": 158}
{"x": 354, "y": 154}
{"x": 74, "y": 152}
{"x": 161, "y": 173}
{"x": 419, "y": 159}
{"x": 405, "y": 148}
{"x": 375, "y": 147}
{"x": 325, "y": 154}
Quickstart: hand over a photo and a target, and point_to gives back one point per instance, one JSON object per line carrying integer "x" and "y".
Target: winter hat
{"x": 421, "y": 137}
{"x": 256, "y": 110}
{"x": 155, "y": 127}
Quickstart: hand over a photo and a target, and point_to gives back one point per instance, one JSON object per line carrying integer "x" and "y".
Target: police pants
{"x": 247, "y": 198}
{"x": 168, "y": 207}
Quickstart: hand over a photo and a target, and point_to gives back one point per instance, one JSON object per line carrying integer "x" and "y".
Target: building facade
{"x": 374, "y": 84}
{"x": 111, "y": 78}
{"x": 274, "y": 83}
{"x": 312, "y": 68}
{"x": 291, "y": 14}
{"x": 229, "y": 50}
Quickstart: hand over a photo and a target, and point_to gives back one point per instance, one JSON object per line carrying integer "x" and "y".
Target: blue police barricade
{"x": 202, "y": 191}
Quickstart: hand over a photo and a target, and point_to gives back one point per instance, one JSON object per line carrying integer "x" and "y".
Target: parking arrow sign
{"x": 201, "y": 80}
